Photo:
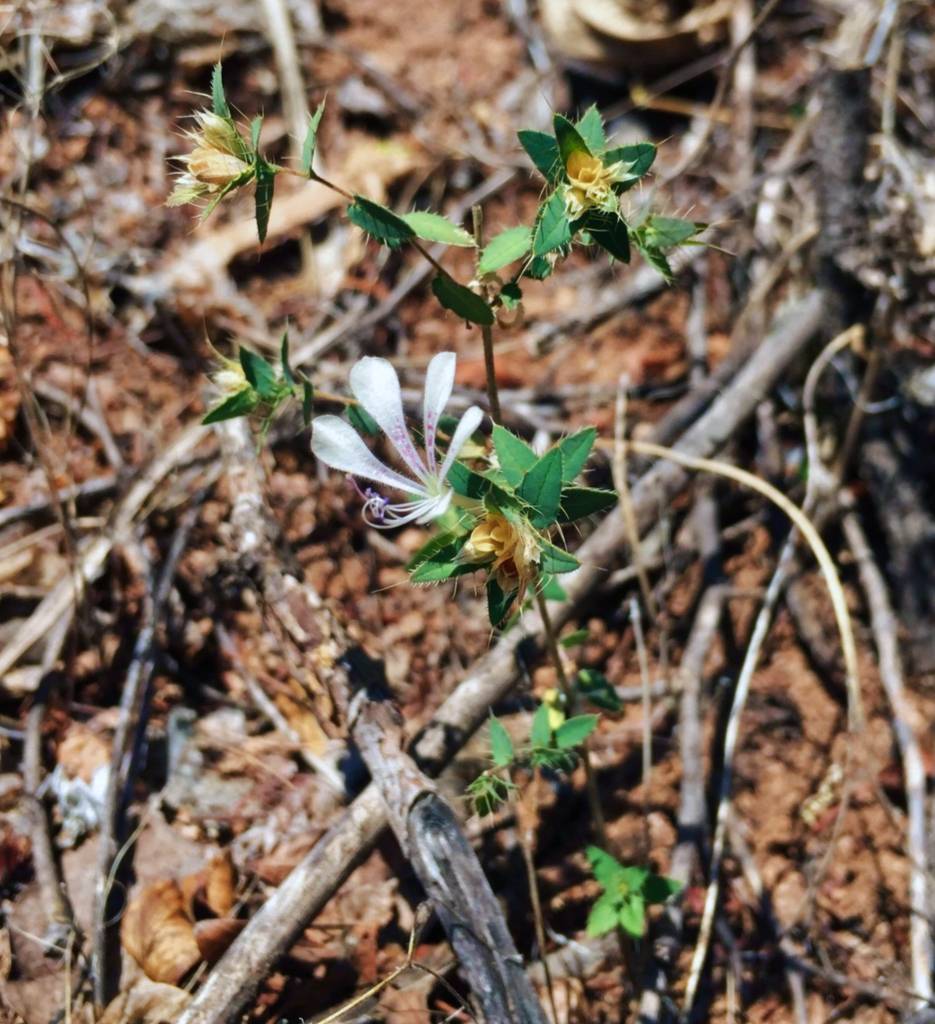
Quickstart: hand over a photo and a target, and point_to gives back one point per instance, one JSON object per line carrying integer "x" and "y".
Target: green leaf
{"x": 632, "y": 915}
{"x": 543, "y": 151}
{"x": 242, "y": 403}
{"x": 461, "y": 300}
{"x": 498, "y": 603}
{"x": 265, "y": 181}
{"x": 438, "y": 559}
{"x": 260, "y": 374}
{"x": 667, "y": 232}
{"x": 218, "y": 99}
{"x": 507, "y": 247}
{"x": 603, "y": 916}
{"x": 433, "y": 227}
{"x": 541, "y": 733}
{"x": 311, "y": 138}
{"x": 596, "y": 688}
{"x": 605, "y": 868}
{"x": 574, "y": 731}
{"x": 501, "y": 746}
{"x": 516, "y": 458}
{"x": 574, "y": 639}
{"x": 639, "y": 157}
{"x": 610, "y": 232}
{"x": 654, "y": 257}
{"x": 469, "y": 484}
{"x": 308, "y": 397}
{"x": 256, "y": 126}
{"x": 362, "y": 421}
{"x": 487, "y": 792}
{"x": 553, "y": 229}
{"x": 379, "y": 222}
{"x": 575, "y": 450}
{"x": 542, "y": 488}
{"x": 287, "y": 374}
{"x": 538, "y": 268}
{"x": 591, "y": 128}
{"x": 658, "y": 888}
{"x": 568, "y": 138}
{"x": 552, "y": 590}
{"x": 555, "y": 560}
{"x": 510, "y": 295}
{"x": 578, "y": 502}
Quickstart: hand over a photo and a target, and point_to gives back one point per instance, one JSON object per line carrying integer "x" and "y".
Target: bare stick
{"x": 884, "y": 626}
{"x": 287, "y": 911}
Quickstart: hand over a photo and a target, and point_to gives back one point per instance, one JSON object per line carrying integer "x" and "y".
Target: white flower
{"x": 375, "y": 385}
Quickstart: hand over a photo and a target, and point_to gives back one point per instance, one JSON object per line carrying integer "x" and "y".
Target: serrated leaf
{"x": 469, "y": 484}
{"x": 603, "y": 916}
{"x": 242, "y": 403}
{"x": 639, "y": 157}
{"x": 568, "y": 138}
{"x": 591, "y": 128}
{"x": 501, "y": 746}
{"x": 439, "y": 571}
{"x": 505, "y": 248}
{"x": 597, "y": 689}
{"x": 311, "y": 139}
{"x": 541, "y": 733}
{"x": 461, "y": 300}
{"x": 287, "y": 374}
{"x": 265, "y": 182}
{"x": 448, "y": 542}
{"x": 541, "y": 488}
{"x": 308, "y": 398}
{"x": 632, "y": 915}
{"x": 538, "y": 268}
{"x": 259, "y": 374}
{"x": 218, "y": 99}
{"x": 543, "y": 151}
{"x": 610, "y": 232}
{"x": 499, "y": 603}
{"x": 551, "y": 589}
{"x": 379, "y": 222}
{"x": 575, "y": 450}
{"x": 516, "y": 458}
{"x": 362, "y": 421}
{"x": 658, "y": 888}
{"x": 656, "y": 258}
{"x": 433, "y": 227}
{"x": 574, "y": 731}
{"x": 578, "y": 502}
{"x": 438, "y": 559}
{"x": 553, "y": 559}
{"x": 666, "y": 232}
{"x": 553, "y": 229}
{"x": 605, "y": 868}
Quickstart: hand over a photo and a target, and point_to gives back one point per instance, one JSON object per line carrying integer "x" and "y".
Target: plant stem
{"x": 493, "y": 395}
{"x": 551, "y": 642}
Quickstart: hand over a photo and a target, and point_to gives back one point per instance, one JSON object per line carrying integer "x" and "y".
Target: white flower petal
{"x": 376, "y": 387}
{"x": 470, "y": 421}
{"x": 336, "y": 443}
{"x": 420, "y": 512}
{"x": 439, "y": 382}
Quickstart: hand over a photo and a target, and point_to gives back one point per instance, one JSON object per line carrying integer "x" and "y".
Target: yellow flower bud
{"x": 512, "y": 548}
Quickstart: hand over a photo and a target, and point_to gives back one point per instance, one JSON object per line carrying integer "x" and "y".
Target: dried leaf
{"x": 158, "y": 934}
{"x": 214, "y": 936}
{"x": 221, "y": 884}
{"x": 147, "y": 1002}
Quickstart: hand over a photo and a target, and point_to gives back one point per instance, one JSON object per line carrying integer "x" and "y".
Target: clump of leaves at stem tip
{"x": 251, "y": 383}
{"x": 222, "y": 160}
{"x": 628, "y": 891}
{"x": 553, "y": 743}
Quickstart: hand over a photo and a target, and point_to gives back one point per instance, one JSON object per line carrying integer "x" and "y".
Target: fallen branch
{"x": 277, "y": 924}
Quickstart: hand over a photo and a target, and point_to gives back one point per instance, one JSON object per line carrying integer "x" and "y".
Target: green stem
{"x": 551, "y": 643}
{"x": 490, "y": 368}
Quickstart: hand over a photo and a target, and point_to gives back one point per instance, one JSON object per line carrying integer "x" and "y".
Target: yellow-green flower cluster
{"x": 590, "y": 183}
{"x": 215, "y": 162}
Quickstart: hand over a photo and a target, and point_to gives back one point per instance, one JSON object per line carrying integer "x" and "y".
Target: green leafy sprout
{"x": 628, "y": 891}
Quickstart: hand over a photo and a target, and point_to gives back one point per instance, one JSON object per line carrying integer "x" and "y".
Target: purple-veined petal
{"x": 336, "y": 443}
{"x": 470, "y": 421}
{"x": 439, "y": 382}
{"x": 376, "y": 387}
